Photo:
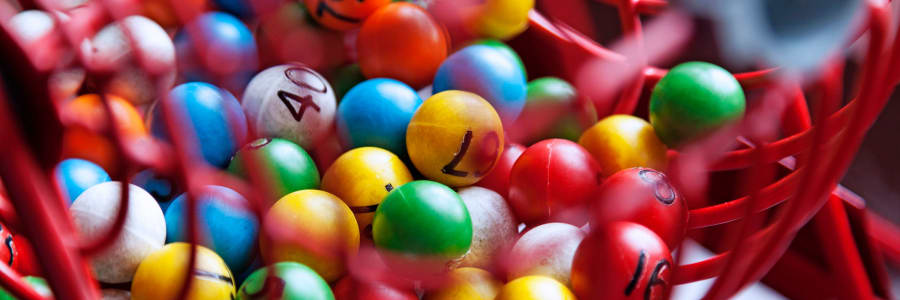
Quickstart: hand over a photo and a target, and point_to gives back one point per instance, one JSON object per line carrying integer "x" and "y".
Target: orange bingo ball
{"x": 401, "y": 41}
{"x": 343, "y": 14}
{"x": 80, "y": 142}
{"x": 455, "y": 138}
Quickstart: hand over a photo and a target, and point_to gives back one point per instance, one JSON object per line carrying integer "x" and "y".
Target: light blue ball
{"x": 226, "y": 226}
{"x": 376, "y": 113}
{"x": 228, "y": 47}
{"x": 489, "y": 72}
{"x": 240, "y": 8}
{"x": 208, "y": 110}
{"x": 74, "y": 176}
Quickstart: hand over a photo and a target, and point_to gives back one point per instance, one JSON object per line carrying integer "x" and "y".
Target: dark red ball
{"x": 8, "y": 251}
{"x": 622, "y": 260}
{"x": 643, "y": 196}
{"x": 498, "y": 178}
{"x": 349, "y": 288}
{"x": 553, "y": 181}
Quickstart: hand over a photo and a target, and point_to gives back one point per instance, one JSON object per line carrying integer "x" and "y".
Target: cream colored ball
{"x": 493, "y": 226}
{"x": 546, "y": 250}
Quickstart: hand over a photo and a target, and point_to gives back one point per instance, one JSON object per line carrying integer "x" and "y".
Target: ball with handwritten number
{"x": 291, "y": 280}
{"x": 343, "y": 15}
{"x": 292, "y": 102}
{"x": 160, "y": 275}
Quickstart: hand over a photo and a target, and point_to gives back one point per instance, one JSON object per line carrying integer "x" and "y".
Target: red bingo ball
{"x": 643, "y": 196}
{"x": 498, "y": 178}
{"x": 350, "y": 288}
{"x": 622, "y": 260}
{"x": 551, "y": 181}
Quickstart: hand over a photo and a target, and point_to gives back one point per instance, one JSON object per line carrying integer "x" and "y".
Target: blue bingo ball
{"x": 227, "y": 52}
{"x": 240, "y": 8}
{"x": 161, "y": 188}
{"x": 489, "y": 72}
{"x": 208, "y": 110}
{"x": 74, "y": 175}
{"x": 226, "y": 226}
{"x": 376, "y": 113}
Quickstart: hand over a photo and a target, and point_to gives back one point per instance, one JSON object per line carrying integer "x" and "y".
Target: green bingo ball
{"x": 39, "y": 285}
{"x": 423, "y": 221}
{"x": 292, "y": 281}
{"x": 551, "y": 92}
{"x": 288, "y": 167}
{"x": 692, "y": 100}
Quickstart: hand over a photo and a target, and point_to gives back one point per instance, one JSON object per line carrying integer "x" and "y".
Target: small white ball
{"x": 292, "y": 102}
{"x": 493, "y": 226}
{"x": 114, "y": 294}
{"x": 546, "y": 250}
{"x": 144, "y": 232}
{"x": 31, "y": 25}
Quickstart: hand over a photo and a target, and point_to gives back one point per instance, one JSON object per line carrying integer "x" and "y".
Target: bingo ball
{"x": 94, "y": 212}
{"x": 74, "y": 176}
{"x": 223, "y": 50}
{"x": 467, "y": 284}
{"x": 343, "y": 15}
{"x": 210, "y": 113}
{"x": 552, "y": 180}
{"x": 455, "y": 138}
{"x": 24, "y": 261}
{"x": 502, "y": 47}
{"x": 636, "y": 264}
{"x": 9, "y": 252}
{"x": 535, "y": 288}
{"x": 401, "y": 41}
{"x": 115, "y": 294}
{"x": 288, "y": 167}
{"x": 161, "y": 188}
{"x": 226, "y": 225}
{"x": 424, "y": 225}
{"x": 494, "y": 227}
{"x": 162, "y": 12}
{"x": 80, "y": 142}
{"x": 31, "y": 25}
{"x": 318, "y": 231}
{"x": 362, "y": 177}
{"x": 240, "y": 8}
{"x": 290, "y": 281}
{"x": 38, "y": 284}
{"x": 111, "y": 49}
{"x": 642, "y": 196}
{"x": 551, "y": 111}
{"x": 498, "y": 178}
{"x": 161, "y": 274}
{"x": 491, "y": 73}
{"x": 545, "y": 250}
{"x": 346, "y": 78}
{"x": 500, "y": 19}
{"x": 349, "y": 288}
{"x": 620, "y": 142}
{"x": 692, "y": 100}
{"x": 292, "y": 102}
{"x": 376, "y": 113}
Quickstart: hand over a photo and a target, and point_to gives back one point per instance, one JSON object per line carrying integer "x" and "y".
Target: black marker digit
{"x": 655, "y": 278}
{"x": 449, "y": 169}
{"x": 642, "y": 259}
{"x": 305, "y": 102}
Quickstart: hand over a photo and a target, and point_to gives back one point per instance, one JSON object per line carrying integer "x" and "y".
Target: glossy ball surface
{"x": 489, "y": 72}
{"x": 501, "y": 19}
{"x": 646, "y": 197}
{"x": 292, "y": 102}
{"x": 79, "y": 142}
{"x": 620, "y": 142}
{"x": 545, "y": 250}
{"x": 553, "y": 180}
{"x": 210, "y": 113}
{"x": 225, "y": 223}
{"x": 223, "y": 48}
{"x": 342, "y": 15}
{"x": 535, "y": 288}
{"x": 498, "y": 179}
{"x": 144, "y": 231}
{"x": 38, "y": 284}
{"x": 376, "y": 113}
{"x": 324, "y": 226}
{"x": 551, "y": 111}
{"x": 636, "y": 264}
{"x": 291, "y": 281}
{"x": 74, "y": 176}
{"x": 160, "y": 275}
{"x": 467, "y": 284}
{"x": 362, "y": 177}
{"x": 288, "y": 167}
{"x": 240, "y": 8}
{"x": 441, "y": 229}
{"x": 694, "y": 99}
{"x": 402, "y": 41}
{"x": 494, "y": 227}
{"x": 455, "y": 138}
{"x": 502, "y": 47}
{"x": 349, "y": 288}
{"x": 9, "y": 253}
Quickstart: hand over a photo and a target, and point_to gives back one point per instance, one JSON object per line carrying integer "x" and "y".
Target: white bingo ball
{"x": 292, "y": 102}
{"x": 94, "y": 212}
{"x": 31, "y": 25}
{"x": 546, "y": 250}
{"x": 114, "y": 294}
{"x": 493, "y": 226}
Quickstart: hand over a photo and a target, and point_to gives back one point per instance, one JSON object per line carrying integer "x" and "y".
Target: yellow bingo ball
{"x": 323, "y": 223}
{"x": 455, "y": 138}
{"x": 501, "y": 19}
{"x": 159, "y": 276}
{"x": 467, "y": 284}
{"x": 362, "y": 177}
{"x": 620, "y": 142}
{"x": 535, "y": 288}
